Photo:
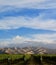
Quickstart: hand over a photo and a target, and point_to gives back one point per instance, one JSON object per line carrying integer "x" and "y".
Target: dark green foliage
{"x": 21, "y": 59}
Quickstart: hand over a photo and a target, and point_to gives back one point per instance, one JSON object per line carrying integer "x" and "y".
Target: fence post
{"x": 41, "y": 59}
{"x": 9, "y": 61}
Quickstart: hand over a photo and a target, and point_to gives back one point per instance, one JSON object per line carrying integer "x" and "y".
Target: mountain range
{"x": 27, "y": 50}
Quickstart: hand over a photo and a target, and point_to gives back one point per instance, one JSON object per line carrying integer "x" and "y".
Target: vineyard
{"x": 26, "y": 59}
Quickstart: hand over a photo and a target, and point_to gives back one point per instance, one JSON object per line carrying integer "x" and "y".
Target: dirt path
{"x": 32, "y": 61}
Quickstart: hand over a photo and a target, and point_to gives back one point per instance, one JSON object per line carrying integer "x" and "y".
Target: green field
{"x": 26, "y": 59}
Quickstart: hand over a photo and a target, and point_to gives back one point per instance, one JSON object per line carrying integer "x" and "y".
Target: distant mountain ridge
{"x": 27, "y": 50}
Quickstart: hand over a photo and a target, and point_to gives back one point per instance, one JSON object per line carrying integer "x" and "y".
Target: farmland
{"x": 27, "y": 59}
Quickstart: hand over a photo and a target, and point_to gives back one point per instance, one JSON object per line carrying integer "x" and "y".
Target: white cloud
{"x": 13, "y": 41}
{"x": 46, "y": 38}
{"x": 18, "y": 2}
{"x": 43, "y": 38}
{"x": 30, "y": 3}
{"x": 12, "y": 23}
{"x": 36, "y": 23}
{"x": 19, "y": 39}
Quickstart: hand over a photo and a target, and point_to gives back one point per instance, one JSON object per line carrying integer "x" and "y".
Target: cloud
{"x": 45, "y": 19}
{"x": 35, "y": 23}
{"x": 46, "y": 38}
{"x": 30, "y": 3}
{"x": 43, "y": 38}
{"x": 19, "y": 39}
{"x": 8, "y": 11}
{"x": 13, "y": 41}
{"x": 13, "y": 18}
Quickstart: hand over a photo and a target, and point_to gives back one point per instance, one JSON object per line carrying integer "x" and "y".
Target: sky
{"x": 27, "y": 20}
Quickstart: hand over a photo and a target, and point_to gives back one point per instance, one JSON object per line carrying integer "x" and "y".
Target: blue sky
{"x": 25, "y": 20}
